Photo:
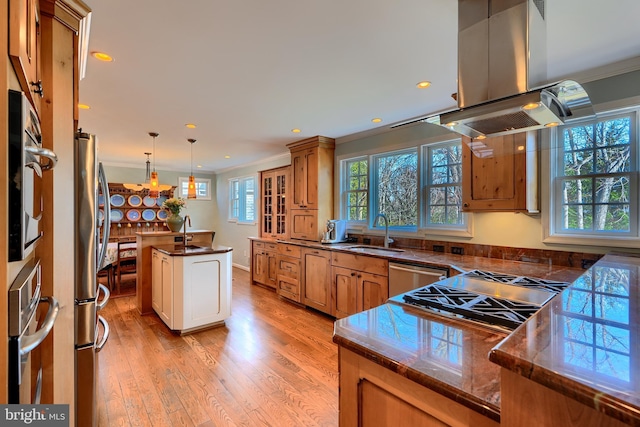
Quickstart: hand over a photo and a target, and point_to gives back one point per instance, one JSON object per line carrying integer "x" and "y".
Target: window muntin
{"x": 395, "y": 180}
{"x": 356, "y": 192}
{"x": 443, "y": 184}
{"x": 203, "y": 188}
{"x": 596, "y": 177}
{"x": 242, "y": 199}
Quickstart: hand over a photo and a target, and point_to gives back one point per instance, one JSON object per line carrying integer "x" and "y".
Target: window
{"x": 395, "y": 180}
{"x": 242, "y": 199}
{"x": 356, "y": 192}
{"x": 416, "y": 192}
{"x": 443, "y": 184}
{"x": 203, "y": 188}
{"x": 596, "y": 178}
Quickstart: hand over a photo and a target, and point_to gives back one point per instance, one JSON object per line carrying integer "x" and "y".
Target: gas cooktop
{"x": 499, "y": 300}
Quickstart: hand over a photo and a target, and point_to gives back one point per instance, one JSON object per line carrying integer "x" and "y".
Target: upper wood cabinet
{"x": 274, "y": 187}
{"x": 500, "y": 174}
{"x": 24, "y": 47}
{"x": 312, "y": 169}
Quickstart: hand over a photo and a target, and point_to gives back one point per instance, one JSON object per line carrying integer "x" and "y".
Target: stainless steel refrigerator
{"x": 91, "y": 329}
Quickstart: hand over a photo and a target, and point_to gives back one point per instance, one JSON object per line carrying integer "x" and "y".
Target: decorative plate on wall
{"x": 162, "y": 214}
{"x": 116, "y": 215}
{"x": 149, "y": 201}
{"x": 133, "y": 214}
{"x": 160, "y": 200}
{"x": 135, "y": 200}
{"x": 117, "y": 200}
{"x": 148, "y": 214}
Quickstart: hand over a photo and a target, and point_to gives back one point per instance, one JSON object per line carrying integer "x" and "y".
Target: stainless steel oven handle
{"x": 105, "y": 335}
{"x": 106, "y": 221}
{"x": 44, "y": 152}
{"x": 100, "y": 305}
{"x": 29, "y": 342}
{"x": 421, "y": 272}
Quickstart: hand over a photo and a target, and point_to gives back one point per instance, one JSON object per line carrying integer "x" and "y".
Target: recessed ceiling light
{"x": 190, "y": 125}
{"x": 296, "y": 130}
{"x": 423, "y": 84}
{"x": 101, "y": 56}
{"x": 83, "y": 107}
{"x": 227, "y": 157}
{"x": 376, "y": 120}
{"x": 199, "y": 166}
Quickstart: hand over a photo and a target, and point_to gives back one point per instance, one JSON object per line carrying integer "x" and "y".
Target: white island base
{"x": 191, "y": 287}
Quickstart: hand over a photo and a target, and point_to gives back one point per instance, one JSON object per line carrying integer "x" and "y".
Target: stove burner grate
{"x": 484, "y": 308}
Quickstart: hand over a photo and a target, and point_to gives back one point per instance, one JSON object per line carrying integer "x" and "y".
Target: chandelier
{"x": 152, "y": 184}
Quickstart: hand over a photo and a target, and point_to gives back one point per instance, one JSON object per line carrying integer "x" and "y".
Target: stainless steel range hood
{"x": 502, "y": 78}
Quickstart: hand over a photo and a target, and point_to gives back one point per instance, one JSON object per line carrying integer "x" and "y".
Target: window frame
{"x": 345, "y": 191}
{"x": 183, "y": 187}
{"x": 552, "y": 232}
{"x": 423, "y": 229}
{"x": 241, "y": 182}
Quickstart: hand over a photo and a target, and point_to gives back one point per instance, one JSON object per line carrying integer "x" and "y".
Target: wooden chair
{"x": 127, "y": 254}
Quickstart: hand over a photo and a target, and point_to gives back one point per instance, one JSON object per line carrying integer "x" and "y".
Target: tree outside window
{"x": 396, "y": 177}
{"x": 357, "y": 190}
{"x": 444, "y": 184}
{"x": 595, "y": 177}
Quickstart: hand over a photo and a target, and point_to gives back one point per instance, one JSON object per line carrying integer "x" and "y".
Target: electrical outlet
{"x": 245, "y": 253}
{"x": 457, "y": 250}
{"x": 366, "y": 241}
{"x": 438, "y": 248}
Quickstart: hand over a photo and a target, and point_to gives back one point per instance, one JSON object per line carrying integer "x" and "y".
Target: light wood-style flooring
{"x": 272, "y": 364}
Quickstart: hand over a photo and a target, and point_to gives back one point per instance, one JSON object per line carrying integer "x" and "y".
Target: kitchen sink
{"x": 373, "y": 249}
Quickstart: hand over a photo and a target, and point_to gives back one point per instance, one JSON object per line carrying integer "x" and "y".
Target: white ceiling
{"x": 246, "y": 72}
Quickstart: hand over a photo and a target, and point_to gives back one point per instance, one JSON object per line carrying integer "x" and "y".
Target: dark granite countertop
{"x": 459, "y": 263}
{"x": 190, "y": 250}
{"x": 585, "y": 343}
{"x": 443, "y": 354}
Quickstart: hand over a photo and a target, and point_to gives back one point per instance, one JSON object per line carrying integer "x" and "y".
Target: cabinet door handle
{"x": 353, "y": 273}
{"x": 359, "y": 276}
{"x": 38, "y": 88}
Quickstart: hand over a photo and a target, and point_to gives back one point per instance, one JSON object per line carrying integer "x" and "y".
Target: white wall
{"x": 202, "y": 212}
{"x": 231, "y": 233}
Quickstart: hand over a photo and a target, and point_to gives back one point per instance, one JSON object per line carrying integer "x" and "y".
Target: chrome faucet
{"x": 187, "y": 218}
{"x": 387, "y": 240}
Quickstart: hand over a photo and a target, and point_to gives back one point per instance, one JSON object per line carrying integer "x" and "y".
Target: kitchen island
{"x": 191, "y": 286}
{"x": 574, "y": 363}
{"x": 144, "y": 242}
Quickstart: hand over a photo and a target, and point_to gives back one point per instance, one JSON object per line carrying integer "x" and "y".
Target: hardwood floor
{"x": 272, "y": 364}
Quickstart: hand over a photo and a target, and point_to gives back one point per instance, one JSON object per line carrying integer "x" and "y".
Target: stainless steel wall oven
{"x": 27, "y": 161}
{"x": 24, "y": 334}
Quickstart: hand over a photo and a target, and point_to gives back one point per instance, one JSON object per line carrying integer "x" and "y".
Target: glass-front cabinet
{"x": 274, "y": 207}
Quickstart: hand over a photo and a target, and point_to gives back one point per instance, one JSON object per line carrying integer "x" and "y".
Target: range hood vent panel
{"x": 502, "y": 66}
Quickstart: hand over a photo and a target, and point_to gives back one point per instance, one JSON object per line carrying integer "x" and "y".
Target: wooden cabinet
{"x": 263, "y": 263}
{"x": 304, "y": 224}
{"x": 274, "y": 207}
{"x": 191, "y": 292}
{"x": 312, "y": 191}
{"x": 132, "y": 211}
{"x": 353, "y": 288}
{"x": 500, "y": 174}
{"x": 372, "y": 395}
{"x": 24, "y": 47}
{"x": 317, "y": 279}
{"x": 289, "y": 272}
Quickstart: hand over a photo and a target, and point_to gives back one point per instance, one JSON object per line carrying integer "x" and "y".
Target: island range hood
{"x": 502, "y": 73}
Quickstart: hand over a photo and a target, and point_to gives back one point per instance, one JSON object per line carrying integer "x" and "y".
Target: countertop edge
{"x": 174, "y": 250}
{"x": 469, "y": 401}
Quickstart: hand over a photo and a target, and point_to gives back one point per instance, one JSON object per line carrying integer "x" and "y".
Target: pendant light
{"x": 191, "y": 193}
{"x": 153, "y": 182}
{"x": 147, "y": 176}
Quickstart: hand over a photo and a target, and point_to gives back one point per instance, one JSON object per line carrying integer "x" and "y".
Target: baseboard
{"x": 240, "y": 266}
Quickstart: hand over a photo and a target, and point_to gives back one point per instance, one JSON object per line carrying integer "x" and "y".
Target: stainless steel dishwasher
{"x": 407, "y": 277}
